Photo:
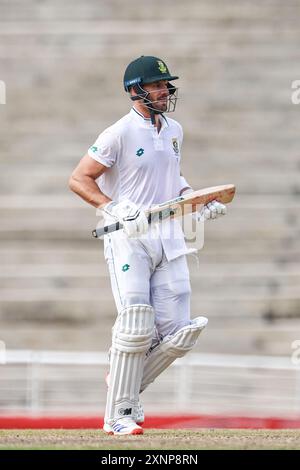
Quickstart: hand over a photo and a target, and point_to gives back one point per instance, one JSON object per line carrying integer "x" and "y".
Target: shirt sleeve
{"x": 185, "y": 187}
{"x": 180, "y": 134}
{"x": 105, "y": 149}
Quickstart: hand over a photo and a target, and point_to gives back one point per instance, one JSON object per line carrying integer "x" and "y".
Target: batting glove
{"x": 133, "y": 219}
{"x": 212, "y": 210}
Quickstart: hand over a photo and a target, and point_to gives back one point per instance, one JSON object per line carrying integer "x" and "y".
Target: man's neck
{"x": 146, "y": 113}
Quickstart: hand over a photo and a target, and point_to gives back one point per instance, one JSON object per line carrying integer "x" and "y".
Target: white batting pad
{"x": 132, "y": 334}
{"x": 171, "y": 348}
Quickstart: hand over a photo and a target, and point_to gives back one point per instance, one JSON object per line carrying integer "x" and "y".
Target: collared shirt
{"x": 142, "y": 166}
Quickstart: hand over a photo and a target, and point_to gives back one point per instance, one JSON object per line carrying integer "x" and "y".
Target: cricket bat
{"x": 179, "y": 206}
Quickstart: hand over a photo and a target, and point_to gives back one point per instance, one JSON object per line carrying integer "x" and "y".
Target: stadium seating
{"x": 62, "y": 63}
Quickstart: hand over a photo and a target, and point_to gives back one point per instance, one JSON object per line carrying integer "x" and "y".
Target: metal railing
{"x": 58, "y": 382}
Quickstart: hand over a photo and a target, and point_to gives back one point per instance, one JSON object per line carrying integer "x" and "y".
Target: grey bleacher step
{"x": 247, "y": 12}
{"x": 237, "y": 339}
{"x": 86, "y": 251}
{"x": 211, "y": 253}
{"x": 205, "y": 279}
{"x": 72, "y": 306}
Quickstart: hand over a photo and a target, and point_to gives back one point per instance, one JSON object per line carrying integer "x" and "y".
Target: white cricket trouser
{"x": 141, "y": 274}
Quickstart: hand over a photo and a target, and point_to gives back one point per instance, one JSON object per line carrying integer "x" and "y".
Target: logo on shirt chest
{"x": 175, "y": 145}
{"x": 140, "y": 152}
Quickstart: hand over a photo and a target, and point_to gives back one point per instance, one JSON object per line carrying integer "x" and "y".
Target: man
{"x": 134, "y": 164}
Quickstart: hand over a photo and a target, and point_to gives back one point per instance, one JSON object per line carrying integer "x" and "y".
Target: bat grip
{"x": 99, "y": 232}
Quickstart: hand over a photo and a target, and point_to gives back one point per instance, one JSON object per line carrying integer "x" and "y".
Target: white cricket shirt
{"x": 142, "y": 166}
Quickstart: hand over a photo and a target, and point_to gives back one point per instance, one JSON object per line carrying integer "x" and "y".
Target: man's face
{"x": 158, "y": 94}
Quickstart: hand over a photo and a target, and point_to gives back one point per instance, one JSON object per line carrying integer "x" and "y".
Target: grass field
{"x": 192, "y": 439}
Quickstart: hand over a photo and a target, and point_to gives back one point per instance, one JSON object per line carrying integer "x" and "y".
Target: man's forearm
{"x": 88, "y": 190}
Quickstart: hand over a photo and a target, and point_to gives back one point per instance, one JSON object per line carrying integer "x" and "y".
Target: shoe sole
{"x": 133, "y": 432}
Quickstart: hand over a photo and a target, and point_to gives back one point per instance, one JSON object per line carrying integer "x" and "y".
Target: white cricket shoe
{"x": 138, "y": 414}
{"x": 122, "y": 426}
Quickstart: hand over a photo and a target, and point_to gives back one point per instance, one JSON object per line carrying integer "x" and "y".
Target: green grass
{"x": 185, "y": 439}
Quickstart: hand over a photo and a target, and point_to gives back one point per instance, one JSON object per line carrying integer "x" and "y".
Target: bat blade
{"x": 186, "y": 204}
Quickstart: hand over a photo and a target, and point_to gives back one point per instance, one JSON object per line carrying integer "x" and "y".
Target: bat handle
{"x": 99, "y": 232}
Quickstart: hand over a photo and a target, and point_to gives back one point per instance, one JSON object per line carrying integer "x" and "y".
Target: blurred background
{"x": 63, "y": 65}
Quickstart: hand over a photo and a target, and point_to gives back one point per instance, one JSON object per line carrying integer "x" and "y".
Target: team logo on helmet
{"x": 161, "y": 67}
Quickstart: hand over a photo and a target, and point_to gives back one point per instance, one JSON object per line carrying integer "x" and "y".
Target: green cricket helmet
{"x": 146, "y": 69}
{"x": 149, "y": 69}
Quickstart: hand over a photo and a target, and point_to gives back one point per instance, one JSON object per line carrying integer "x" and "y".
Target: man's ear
{"x": 134, "y": 96}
